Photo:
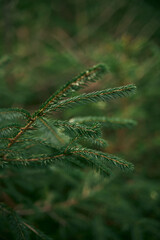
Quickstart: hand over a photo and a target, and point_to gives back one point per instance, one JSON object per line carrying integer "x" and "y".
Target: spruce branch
{"x": 97, "y": 158}
{"x": 103, "y": 158}
{"x": 75, "y": 84}
{"x": 18, "y": 226}
{"x": 75, "y": 129}
{"x": 99, "y": 142}
{"x": 91, "y": 75}
{"x": 21, "y": 132}
{"x": 105, "y": 121}
{"x": 26, "y": 147}
{"x": 104, "y": 95}
{"x": 51, "y": 129}
{"x": 9, "y": 130}
{"x": 14, "y": 113}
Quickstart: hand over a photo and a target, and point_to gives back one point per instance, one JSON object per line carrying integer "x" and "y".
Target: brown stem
{"x": 21, "y": 132}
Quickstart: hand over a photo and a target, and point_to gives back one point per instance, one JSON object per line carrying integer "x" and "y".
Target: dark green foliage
{"x": 45, "y": 43}
{"x": 107, "y": 122}
{"x": 101, "y": 160}
{"x": 20, "y": 229}
{"x": 17, "y": 226}
{"x": 83, "y": 204}
{"x": 104, "y": 95}
{"x": 47, "y": 131}
{"x": 75, "y": 84}
{"x": 38, "y": 141}
{"x": 14, "y": 114}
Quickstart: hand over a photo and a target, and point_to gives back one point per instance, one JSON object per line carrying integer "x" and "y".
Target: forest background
{"x": 45, "y": 43}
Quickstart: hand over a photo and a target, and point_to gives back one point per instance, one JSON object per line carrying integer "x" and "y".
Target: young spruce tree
{"x": 38, "y": 141}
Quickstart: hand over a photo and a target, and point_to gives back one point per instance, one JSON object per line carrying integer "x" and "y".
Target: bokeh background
{"x": 43, "y": 44}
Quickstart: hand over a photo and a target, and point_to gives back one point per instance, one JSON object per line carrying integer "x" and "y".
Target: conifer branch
{"x": 104, "y": 95}
{"x": 78, "y": 129}
{"x": 35, "y": 159}
{"x": 19, "y": 227}
{"x": 9, "y": 130}
{"x": 105, "y": 121}
{"x": 46, "y": 124}
{"x": 75, "y": 84}
{"x": 90, "y": 75}
{"x": 21, "y": 132}
{"x": 37, "y": 151}
{"x": 71, "y": 142}
{"x": 97, "y": 158}
{"x": 14, "y": 113}
{"x": 100, "y": 142}
{"x": 103, "y": 156}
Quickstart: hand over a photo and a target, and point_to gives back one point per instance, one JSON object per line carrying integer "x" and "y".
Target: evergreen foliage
{"x": 39, "y": 140}
{"x": 40, "y": 44}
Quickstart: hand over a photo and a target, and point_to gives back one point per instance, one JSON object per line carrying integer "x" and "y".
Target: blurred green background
{"x": 45, "y": 43}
